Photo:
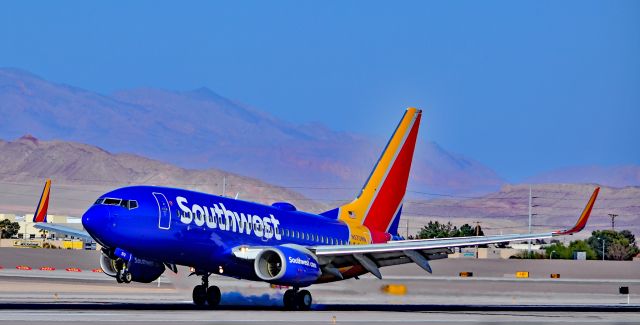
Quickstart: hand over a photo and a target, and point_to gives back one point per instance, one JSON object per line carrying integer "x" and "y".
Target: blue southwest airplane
{"x": 144, "y": 230}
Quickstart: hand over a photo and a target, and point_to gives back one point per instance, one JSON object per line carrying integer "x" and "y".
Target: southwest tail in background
{"x": 43, "y": 205}
{"x": 379, "y": 203}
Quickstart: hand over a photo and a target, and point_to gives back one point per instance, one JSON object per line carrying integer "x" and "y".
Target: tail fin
{"x": 379, "y": 204}
{"x": 43, "y": 205}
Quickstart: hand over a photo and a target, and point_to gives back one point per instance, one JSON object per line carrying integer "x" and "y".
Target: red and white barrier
{"x": 52, "y": 268}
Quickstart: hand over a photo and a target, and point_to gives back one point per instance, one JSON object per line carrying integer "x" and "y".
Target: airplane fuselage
{"x": 196, "y": 229}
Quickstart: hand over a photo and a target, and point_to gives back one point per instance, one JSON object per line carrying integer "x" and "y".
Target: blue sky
{"x": 521, "y": 86}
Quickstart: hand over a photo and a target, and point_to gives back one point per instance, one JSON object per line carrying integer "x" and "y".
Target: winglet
{"x": 43, "y": 205}
{"x": 582, "y": 221}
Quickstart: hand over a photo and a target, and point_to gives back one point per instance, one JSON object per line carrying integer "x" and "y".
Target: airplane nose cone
{"x": 95, "y": 220}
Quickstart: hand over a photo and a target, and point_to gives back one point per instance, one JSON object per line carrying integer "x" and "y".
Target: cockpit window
{"x": 110, "y": 201}
{"x": 133, "y": 204}
{"x": 129, "y": 204}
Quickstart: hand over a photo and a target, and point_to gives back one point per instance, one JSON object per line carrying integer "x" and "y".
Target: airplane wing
{"x": 373, "y": 256}
{"x": 59, "y": 229}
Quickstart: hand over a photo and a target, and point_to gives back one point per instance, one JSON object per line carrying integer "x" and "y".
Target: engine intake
{"x": 287, "y": 265}
{"x": 144, "y": 271}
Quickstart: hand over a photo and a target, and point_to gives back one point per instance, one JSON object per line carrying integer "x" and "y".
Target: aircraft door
{"x": 164, "y": 213}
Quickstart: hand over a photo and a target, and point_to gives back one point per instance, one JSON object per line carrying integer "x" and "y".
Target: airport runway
{"x": 92, "y": 301}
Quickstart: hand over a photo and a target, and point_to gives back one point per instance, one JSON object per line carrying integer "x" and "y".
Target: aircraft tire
{"x": 199, "y": 295}
{"x": 289, "y": 300}
{"x": 213, "y": 296}
{"x": 303, "y": 300}
{"x": 119, "y": 277}
{"x": 127, "y": 277}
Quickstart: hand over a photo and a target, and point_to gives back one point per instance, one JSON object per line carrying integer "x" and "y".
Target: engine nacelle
{"x": 287, "y": 265}
{"x": 141, "y": 270}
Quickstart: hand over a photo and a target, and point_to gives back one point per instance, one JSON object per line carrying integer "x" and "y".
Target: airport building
{"x": 30, "y": 236}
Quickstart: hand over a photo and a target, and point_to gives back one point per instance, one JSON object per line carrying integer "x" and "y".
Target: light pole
{"x": 603, "y": 244}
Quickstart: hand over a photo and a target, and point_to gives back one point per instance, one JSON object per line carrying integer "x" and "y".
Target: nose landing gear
{"x": 122, "y": 274}
{"x": 205, "y": 294}
{"x": 297, "y": 300}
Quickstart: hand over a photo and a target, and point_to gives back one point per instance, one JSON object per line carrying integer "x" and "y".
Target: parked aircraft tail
{"x": 43, "y": 205}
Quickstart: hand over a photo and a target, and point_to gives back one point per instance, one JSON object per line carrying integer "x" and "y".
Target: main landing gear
{"x": 297, "y": 300}
{"x": 205, "y": 294}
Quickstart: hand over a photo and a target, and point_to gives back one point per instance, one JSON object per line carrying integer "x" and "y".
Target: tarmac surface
{"x": 587, "y": 292}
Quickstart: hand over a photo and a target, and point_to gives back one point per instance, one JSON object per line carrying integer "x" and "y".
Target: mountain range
{"x": 554, "y": 207}
{"x": 80, "y": 173}
{"x": 200, "y": 129}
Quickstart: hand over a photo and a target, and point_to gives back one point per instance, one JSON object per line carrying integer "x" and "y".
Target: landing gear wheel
{"x": 126, "y": 277}
{"x": 213, "y": 296}
{"x": 303, "y": 300}
{"x": 119, "y": 277}
{"x": 289, "y": 299}
{"x": 199, "y": 295}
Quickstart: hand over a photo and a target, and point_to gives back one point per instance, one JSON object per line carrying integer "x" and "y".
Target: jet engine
{"x": 290, "y": 265}
{"x": 144, "y": 271}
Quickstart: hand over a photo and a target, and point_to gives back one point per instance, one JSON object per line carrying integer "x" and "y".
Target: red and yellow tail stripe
{"x": 43, "y": 204}
{"x": 582, "y": 221}
{"x": 371, "y": 213}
